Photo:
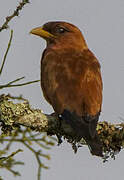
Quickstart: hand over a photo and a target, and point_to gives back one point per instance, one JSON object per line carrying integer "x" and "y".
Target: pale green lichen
{"x": 12, "y": 114}
{"x": 10, "y": 111}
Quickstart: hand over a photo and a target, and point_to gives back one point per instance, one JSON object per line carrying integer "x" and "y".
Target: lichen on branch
{"x": 11, "y": 116}
{"x": 15, "y": 114}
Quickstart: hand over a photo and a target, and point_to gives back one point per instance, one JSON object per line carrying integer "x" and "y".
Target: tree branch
{"x": 15, "y": 13}
{"x": 11, "y": 114}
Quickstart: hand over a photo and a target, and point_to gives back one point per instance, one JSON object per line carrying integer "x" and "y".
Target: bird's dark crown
{"x": 59, "y": 27}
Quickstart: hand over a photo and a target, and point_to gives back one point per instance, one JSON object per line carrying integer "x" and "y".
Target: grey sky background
{"x": 102, "y": 23}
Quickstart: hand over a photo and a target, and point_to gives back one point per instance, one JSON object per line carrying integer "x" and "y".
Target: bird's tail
{"x": 85, "y": 127}
{"x": 95, "y": 146}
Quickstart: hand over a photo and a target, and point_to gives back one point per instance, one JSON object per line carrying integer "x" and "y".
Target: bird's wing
{"x": 91, "y": 87}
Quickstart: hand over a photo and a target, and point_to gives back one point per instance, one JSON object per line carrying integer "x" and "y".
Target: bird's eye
{"x": 60, "y": 30}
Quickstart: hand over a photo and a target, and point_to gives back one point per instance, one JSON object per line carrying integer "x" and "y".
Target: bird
{"x": 71, "y": 80}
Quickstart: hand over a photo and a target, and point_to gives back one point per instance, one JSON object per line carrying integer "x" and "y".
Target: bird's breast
{"x": 70, "y": 81}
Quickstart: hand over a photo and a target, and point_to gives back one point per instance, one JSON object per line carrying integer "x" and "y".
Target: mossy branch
{"x": 11, "y": 114}
{"x": 12, "y": 132}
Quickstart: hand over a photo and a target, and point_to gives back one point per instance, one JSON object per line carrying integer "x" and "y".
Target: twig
{"x": 11, "y": 82}
{"x": 10, "y": 156}
{"x": 22, "y": 135}
{"x": 38, "y": 159}
{"x": 4, "y": 59}
{"x": 15, "y": 13}
{"x": 8, "y": 85}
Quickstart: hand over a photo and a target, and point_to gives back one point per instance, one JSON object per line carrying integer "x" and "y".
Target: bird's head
{"x": 61, "y": 35}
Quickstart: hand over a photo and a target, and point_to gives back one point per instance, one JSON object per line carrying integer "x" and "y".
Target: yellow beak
{"x": 39, "y": 31}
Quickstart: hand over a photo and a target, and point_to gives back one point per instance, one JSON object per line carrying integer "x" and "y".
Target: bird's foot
{"x": 59, "y": 137}
{"x": 75, "y": 146}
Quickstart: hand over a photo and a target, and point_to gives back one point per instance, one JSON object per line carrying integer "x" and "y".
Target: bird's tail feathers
{"x": 95, "y": 146}
{"x": 85, "y": 127}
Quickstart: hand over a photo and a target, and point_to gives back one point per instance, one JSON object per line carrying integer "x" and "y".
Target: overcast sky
{"x": 102, "y": 23}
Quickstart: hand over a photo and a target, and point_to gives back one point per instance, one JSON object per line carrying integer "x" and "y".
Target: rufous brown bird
{"x": 71, "y": 80}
